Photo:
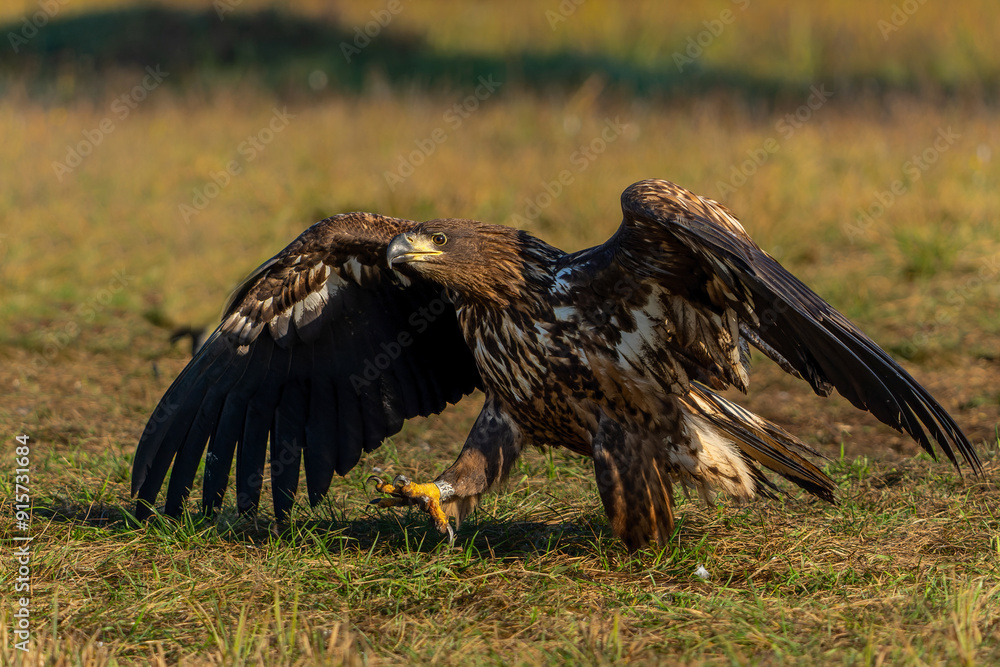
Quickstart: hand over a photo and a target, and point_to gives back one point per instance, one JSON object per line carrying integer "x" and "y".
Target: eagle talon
{"x": 384, "y": 487}
{"x": 426, "y": 496}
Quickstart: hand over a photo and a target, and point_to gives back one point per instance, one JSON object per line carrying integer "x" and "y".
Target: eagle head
{"x": 478, "y": 261}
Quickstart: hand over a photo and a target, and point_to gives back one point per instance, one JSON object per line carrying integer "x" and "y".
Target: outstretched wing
{"x": 720, "y": 290}
{"x": 325, "y": 351}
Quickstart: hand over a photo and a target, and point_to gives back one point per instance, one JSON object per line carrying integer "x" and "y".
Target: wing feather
{"x": 317, "y": 347}
{"x": 695, "y": 248}
{"x": 288, "y": 438}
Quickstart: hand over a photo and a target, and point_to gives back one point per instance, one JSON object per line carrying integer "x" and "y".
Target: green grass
{"x": 904, "y": 570}
{"x": 96, "y": 268}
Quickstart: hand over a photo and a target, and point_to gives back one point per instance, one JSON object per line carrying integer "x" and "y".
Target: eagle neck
{"x": 518, "y": 301}
{"x": 519, "y": 279}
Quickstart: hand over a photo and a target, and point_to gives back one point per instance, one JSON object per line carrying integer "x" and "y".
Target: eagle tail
{"x": 761, "y": 442}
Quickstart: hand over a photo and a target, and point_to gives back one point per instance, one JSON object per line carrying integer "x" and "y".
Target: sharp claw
{"x": 381, "y": 486}
{"x": 427, "y": 496}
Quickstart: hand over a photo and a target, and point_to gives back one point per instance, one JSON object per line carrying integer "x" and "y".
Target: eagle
{"x": 614, "y": 352}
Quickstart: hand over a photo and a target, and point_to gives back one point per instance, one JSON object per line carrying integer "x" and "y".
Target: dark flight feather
{"x": 808, "y": 334}
{"x": 297, "y": 354}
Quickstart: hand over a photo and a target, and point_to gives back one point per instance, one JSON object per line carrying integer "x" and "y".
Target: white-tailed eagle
{"x": 364, "y": 321}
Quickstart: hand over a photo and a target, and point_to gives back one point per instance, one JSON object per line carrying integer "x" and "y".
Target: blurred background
{"x": 153, "y": 154}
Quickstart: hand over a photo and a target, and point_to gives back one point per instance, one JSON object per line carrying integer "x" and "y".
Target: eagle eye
{"x": 439, "y": 239}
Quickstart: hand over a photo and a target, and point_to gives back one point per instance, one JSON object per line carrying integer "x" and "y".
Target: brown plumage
{"x": 365, "y": 321}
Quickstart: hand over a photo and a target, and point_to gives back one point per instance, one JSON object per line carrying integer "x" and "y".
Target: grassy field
{"x": 865, "y": 158}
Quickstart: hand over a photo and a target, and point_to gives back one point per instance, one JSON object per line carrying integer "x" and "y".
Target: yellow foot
{"x": 426, "y": 496}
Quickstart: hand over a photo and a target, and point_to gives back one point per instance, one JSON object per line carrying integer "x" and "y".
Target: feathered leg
{"x": 634, "y": 483}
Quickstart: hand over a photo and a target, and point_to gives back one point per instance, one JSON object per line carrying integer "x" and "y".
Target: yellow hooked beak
{"x": 410, "y": 248}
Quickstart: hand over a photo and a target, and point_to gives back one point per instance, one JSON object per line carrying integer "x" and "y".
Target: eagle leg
{"x": 491, "y": 448}
{"x": 401, "y": 491}
{"x": 493, "y": 445}
{"x": 635, "y": 486}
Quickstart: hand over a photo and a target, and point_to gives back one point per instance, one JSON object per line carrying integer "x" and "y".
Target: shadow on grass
{"x": 399, "y": 533}
{"x": 281, "y": 50}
